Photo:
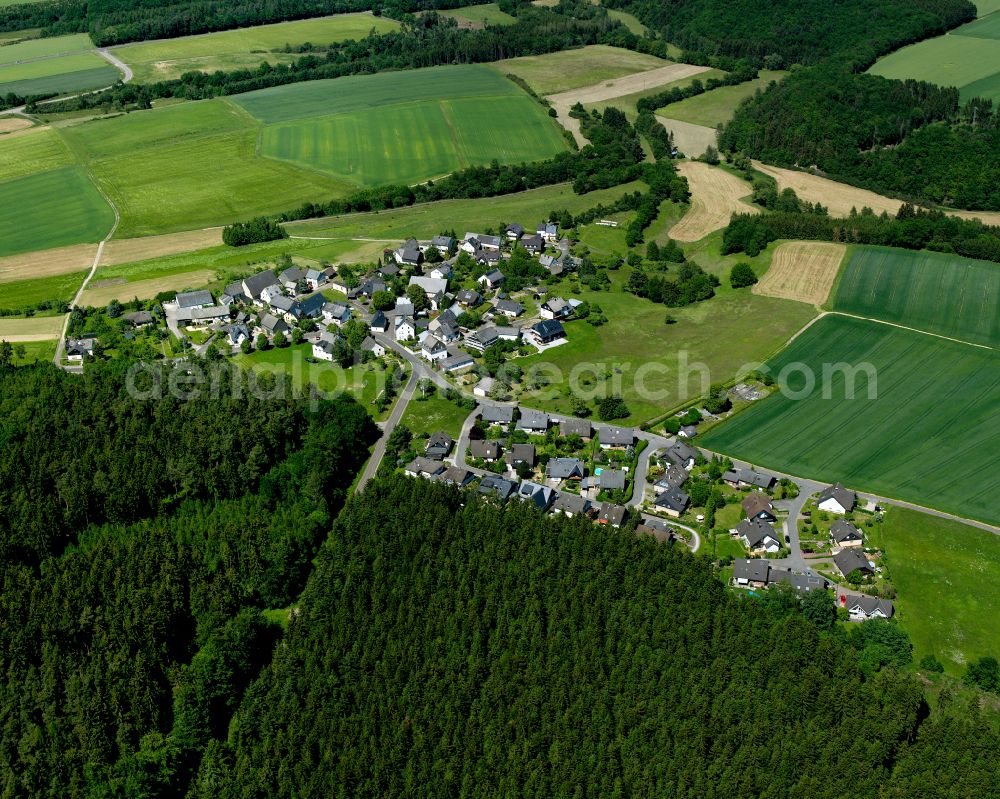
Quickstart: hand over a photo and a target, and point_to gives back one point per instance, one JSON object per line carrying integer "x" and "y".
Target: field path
{"x": 840, "y": 198}
{"x": 715, "y": 196}
{"x": 125, "y": 69}
{"x": 617, "y": 87}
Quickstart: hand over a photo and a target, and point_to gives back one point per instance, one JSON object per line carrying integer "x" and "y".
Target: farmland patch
{"x": 939, "y": 293}
{"x": 570, "y": 69}
{"x": 715, "y": 196}
{"x": 936, "y": 401}
{"x": 803, "y": 271}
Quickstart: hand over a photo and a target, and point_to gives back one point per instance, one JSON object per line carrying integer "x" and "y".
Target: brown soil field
{"x": 11, "y": 124}
{"x": 48, "y": 263}
{"x": 124, "y": 251}
{"x": 145, "y": 289}
{"x": 617, "y": 87}
{"x": 43, "y": 328}
{"x": 715, "y": 196}
{"x": 692, "y": 140}
{"x": 839, "y": 198}
{"x": 803, "y": 271}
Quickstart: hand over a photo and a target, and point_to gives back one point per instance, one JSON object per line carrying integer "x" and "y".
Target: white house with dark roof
{"x": 758, "y": 536}
{"x": 433, "y": 349}
{"x": 546, "y": 332}
{"x": 492, "y": 280}
{"x": 548, "y": 231}
{"x": 836, "y": 499}
{"x": 864, "y": 608}
{"x": 325, "y": 346}
{"x": 536, "y": 494}
{"x": 509, "y": 308}
{"x": 403, "y": 328}
{"x": 851, "y": 559}
{"x": 254, "y": 285}
{"x": 497, "y": 414}
{"x": 845, "y": 534}
{"x": 408, "y": 254}
{"x": 78, "y": 348}
{"x": 555, "y": 308}
{"x": 565, "y": 469}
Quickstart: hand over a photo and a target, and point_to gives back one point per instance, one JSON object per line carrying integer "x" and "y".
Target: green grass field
{"x": 644, "y": 357}
{"x": 37, "y": 151}
{"x": 571, "y": 69}
{"x": 244, "y": 47}
{"x": 407, "y": 143}
{"x": 943, "y": 294}
{"x": 970, "y": 63}
{"x": 61, "y": 74}
{"x": 987, "y": 27}
{"x": 433, "y": 414}
{"x": 929, "y": 436}
{"x": 479, "y": 16}
{"x": 945, "y": 573}
{"x": 718, "y": 106}
{"x": 22, "y": 293}
{"x": 627, "y": 102}
{"x": 41, "y": 48}
{"x": 57, "y": 208}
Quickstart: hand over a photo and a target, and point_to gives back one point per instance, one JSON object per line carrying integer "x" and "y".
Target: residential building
{"x": 325, "y": 347}
{"x": 254, "y": 285}
{"x": 514, "y": 231}
{"x": 492, "y": 280}
{"x": 408, "y": 254}
{"x": 672, "y": 502}
{"x": 614, "y": 515}
{"x": 845, "y": 534}
{"x": 314, "y": 279}
{"x": 457, "y": 360}
{"x": 482, "y": 338}
{"x": 508, "y": 333}
{"x": 78, "y": 348}
{"x": 468, "y": 298}
{"x": 138, "y": 318}
{"x": 612, "y": 480}
{"x": 565, "y": 469}
{"x": 536, "y": 494}
{"x": 438, "y": 446}
{"x": 456, "y": 476}
{"x": 852, "y": 559}
{"x": 864, "y": 608}
{"x": 272, "y": 325}
{"x": 751, "y": 573}
{"x": 520, "y": 453}
{"x": 682, "y": 455}
{"x": 497, "y": 414}
{"x": 237, "y": 334}
{"x": 533, "y": 422}
{"x": 533, "y": 244}
{"x": 372, "y": 346}
{"x": 194, "y": 299}
{"x": 546, "y": 332}
{"x": 485, "y": 449}
{"x": 337, "y": 313}
{"x": 443, "y": 244}
{"x": 758, "y": 536}
{"x": 576, "y": 427}
{"x": 497, "y": 487}
{"x": 424, "y": 467}
{"x": 836, "y": 499}
{"x": 616, "y": 437}
{"x": 748, "y": 478}
{"x": 548, "y": 231}
{"x": 555, "y": 308}
{"x": 291, "y": 277}
{"x": 757, "y": 505}
{"x": 379, "y": 323}
{"x": 508, "y": 308}
{"x": 433, "y": 349}
{"x": 673, "y": 477}
{"x": 404, "y": 329}
{"x": 571, "y": 505}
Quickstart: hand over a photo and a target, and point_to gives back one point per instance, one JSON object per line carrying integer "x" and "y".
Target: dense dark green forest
{"x": 780, "y": 33}
{"x": 141, "y": 539}
{"x": 449, "y": 648}
{"x": 908, "y": 139}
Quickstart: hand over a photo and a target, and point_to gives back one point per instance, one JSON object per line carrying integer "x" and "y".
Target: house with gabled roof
{"x": 845, "y": 534}
{"x": 673, "y": 477}
{"x": 314, "y": 279}
{"x": 457, "y": 360}
{"x": 438, "y": 445}
{"x": 497, "y": 414}
{"x": 468, "y": 298}
{"x": 682, "y": 455}
{"x": 546, "y": 332}
{"x": 748, "y": 478}
{"x": 254, "y": 285}
{"x": 751, "y": 573}
{"x": 536, "y": 494}
{"x": 76, "y": 349}
{"x": 757, "y": 505}
{"x": 379, "y": 323}
{"x": 533, "y": 244}
{"x": 424, "y": 467}
{"x": 616, "y": 437}
{"x": 408, "y": 254}
{"x": 576, "y": 427}
{"x": 864, "y": 608}
{"x": 372, "y": 346}
{"x": 312, "y": 307}
{"x": 496, "y": 487}
{"x": 237, "y": 334}
{"x": 520, "y": 453}
{"x": 194, "y": 299}
{"x": 555, "y": 308}
{"x": 485, "y": 449}
{"x": 851, "y": 559}
{"x": 492, "y": 280}
{"x": 443, "y": 244}
{"x": 565, "y": 469}
{"x": 337, "y": 313}
{"x": 533, "y": 422}
{"x": 514, "y": 231}
{"x": 325, "y": 347}
{"x": 271, "y": 325}
{"x": 482, "y": 338}
{"x": 836, "y": 499}
{"x": 672, "y": 502}
{"x": 758, "y": 536}
{"x": 508, "y": 308}
{"x": 571, "y": 505}
{"x": 548, "y": 231}
{"x": 403, "y": 329}
{"x": 433, "y": 349}
{"x": 612, "y": 514}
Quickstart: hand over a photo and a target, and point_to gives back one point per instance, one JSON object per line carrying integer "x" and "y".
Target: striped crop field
{"x": 939, "y": 293}
{"x": 923, "y": 426}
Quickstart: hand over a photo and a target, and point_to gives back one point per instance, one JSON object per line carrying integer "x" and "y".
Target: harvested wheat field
{"x": 37, "y": 328}
{"x": 690, "y": 139}
{"x": 125, "y": 251}
{"x": 48, "y": 263}
{"x": 715, "y": 196}
{"x": 101, "y": 293}
{"x": 839, "y": 198}
{"x": 803, "y": 271}
{"x": 617, "y": 87}
{"x": 11, "y": 124}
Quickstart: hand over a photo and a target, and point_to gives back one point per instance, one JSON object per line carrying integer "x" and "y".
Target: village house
{"x": 443, "y": 244}
{"x": 682, "y": 455}
{"x": 533, "y": 244}
{"x": 424, "y": 467}
{"x": 254, "y": 285}
{"x": 494, "y": 415}
{"x": 576, "y": 427}
{"x": 508, "y": 333}
{"x": 616, "y": 437}
{"x": 78, "y": 348}
{"x": 483, "y": 387}
{"x": 514, "y": 231}
{"x": 756, "y": 573}
{"x": 486, "y": 450}
{"x": 404, "y": 329}
{"x": 285, "y": 307}
{"x": 611, "y": 514}
{"x": 138, "y": 319}
{"x": 468, "y": 298}
{"x": 508, "y": 308}
{"x": 751, "y": 573}
{"x": 492, "y": 280}
{"x": 496, "y": 487}
{"x": 456, "y": 476}
{"x": 237, "y": 334}
{"x": 433, "y": 349}
{"x": 548, "y": 231}
{"x": 194, "y": 299}
{"x": 571, "y": 505}
{"x": 314, "y": 279}
{"x": 337, "y": 313}
{"x": 851, "y": 559}
{"x": 673, "y": 477}
{"x": 555, "y": 308}
{"x": 533, "y": 422}
{"x": 748, "y": 478}
{"x": 324, "y": 348}
{"x": 433, "y": 287}
{"x": 372, "y": 346}
{"x": 559, "y": 469}
{"x": 379, "y": 323}
{"x": 758, "y": 536}
{"x": 233, "y": 293}
{"x": 657, "y": 528}
{"x": 457, "y": 360}
{"x": 836, "y": 499}
{"x": 271, "y": 325}
{"x": 291, "y": 277}
{"x": 438, "y": 446}
{"x": 538, "y": 495}
{"x": 441, "y": 271}
{"x": 864, "y": 608}
{"x": 612, "y": 480}
{"x": 845, "y": 534}
{"x": 408, "y": 254}
{"x": 482, "y": 338}
{"x": 520, "y": 453}
{"x": 204, "y": 316}
{"x": 672, "y": 502}
{"x": 546, "y": 332}
{"x": 757, "y": 505}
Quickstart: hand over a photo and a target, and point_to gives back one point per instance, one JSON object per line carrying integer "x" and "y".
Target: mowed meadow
{"x": 54, "y": 65}
{"x": 942, "y": 294}
{"x": 927, "y": 433}
{"x": 193, "y": 165}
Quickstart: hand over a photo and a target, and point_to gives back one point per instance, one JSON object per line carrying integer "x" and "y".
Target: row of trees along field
{"x": 478, "y": 651}
{"x": 778, "y": 34}
{"x": 906, "y": 138}
{"x": 140, "y": 541}
{"x": 430, "y": 40}
{"x": 116, "y": 21}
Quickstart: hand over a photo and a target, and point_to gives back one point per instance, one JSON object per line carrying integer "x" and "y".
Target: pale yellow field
{"x": 48, "y": 263}
{"x": 839, "y": 198}
{"x": 44, "y": 328}
{"x": 10, "y": 124}
{"x": 803, "y": 271}
{"x": 715, "y": 196}
{"x": 690, "y": 139}
{"x": 124, "y": 251}
{"x": 145, "y": 289}
{"x": 616, "y": 87}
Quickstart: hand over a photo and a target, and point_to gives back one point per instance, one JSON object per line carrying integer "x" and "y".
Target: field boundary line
{"x": 912, "y": 330}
